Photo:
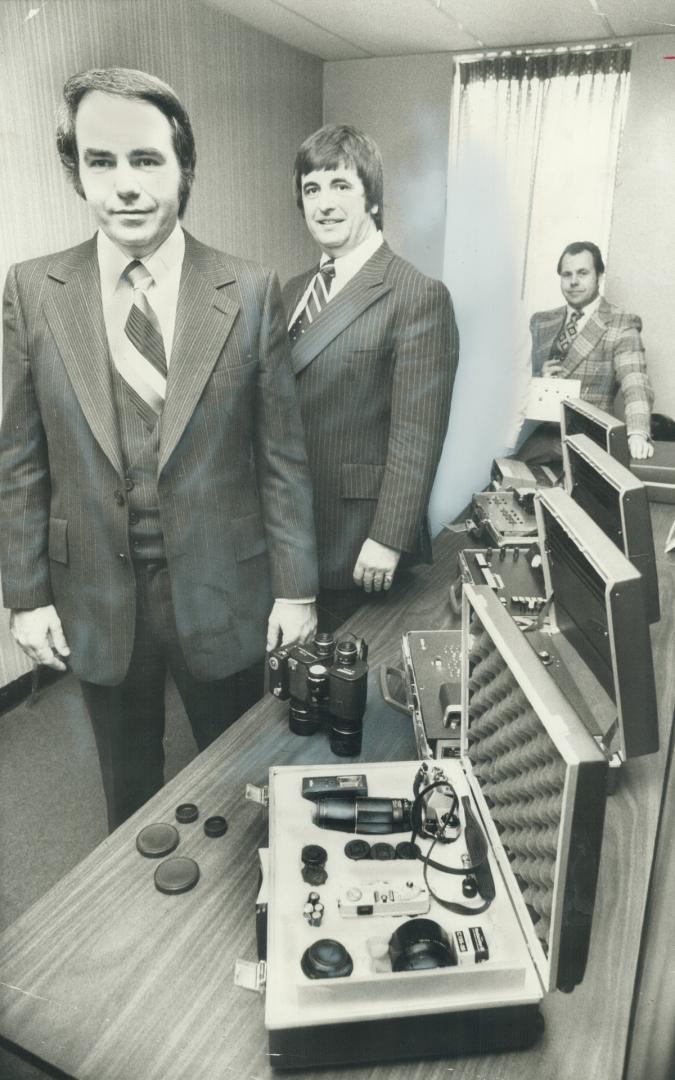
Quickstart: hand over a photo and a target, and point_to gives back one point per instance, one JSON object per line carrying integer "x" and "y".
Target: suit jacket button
{"x": 122, "y": 557}
{"x": 128, "y": 483}
{"x": 118, "y": 497}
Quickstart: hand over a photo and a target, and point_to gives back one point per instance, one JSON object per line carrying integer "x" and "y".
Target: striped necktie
{"x": 143, "y": 367}
{"x": 566, "y": 336}
{"x": 317, "y": 298}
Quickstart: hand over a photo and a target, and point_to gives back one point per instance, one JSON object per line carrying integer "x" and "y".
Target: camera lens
{"x": 363, "y": 815}
{"x": 345, "y": 739}
{"x": 346, "y": 653}
{"x": 324, "y": 646}
{"x": 420, "y": 944}
{"x": 303, "y": 719}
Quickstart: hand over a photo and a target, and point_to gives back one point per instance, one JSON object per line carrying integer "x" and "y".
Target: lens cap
{"x": 176, "y": 875}
{"x": 155, "y": 841}
{"x": 314, "y": 855}
{"x": 326, "y": 959}
{"x": 187, "y": 812}
{"x": 382, "y": 851}
{"x": 357, "y": 849}
{"x": 215, "y": 826}
{"x": 406, "y": 850}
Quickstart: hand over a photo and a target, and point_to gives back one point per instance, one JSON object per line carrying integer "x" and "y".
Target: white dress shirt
{"x": 346, "y": 267}
{"x": 165, "y": 266}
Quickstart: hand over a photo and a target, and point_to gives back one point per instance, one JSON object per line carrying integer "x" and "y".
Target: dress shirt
{"x": 586, "y": 313}
{"x": 346, "y": 267}
{"x": 165, "y": 265}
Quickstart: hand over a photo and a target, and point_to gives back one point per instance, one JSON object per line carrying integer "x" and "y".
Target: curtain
{"x": 534, "y": 143}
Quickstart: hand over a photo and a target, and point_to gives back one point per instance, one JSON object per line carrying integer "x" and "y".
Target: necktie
{"x": 566, "y": 336}
{"x": 143, "y": 368}
{"x": 317, "y": 298}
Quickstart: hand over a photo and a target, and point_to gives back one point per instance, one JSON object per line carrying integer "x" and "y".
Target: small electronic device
{"x": 504, "y": 517}
{"x": 508, "y": 838}
{"x": 432, "y": 683}
{"x": 546, "y": 394}
{"x": 515, "y": 574}
{"x": 617, "y": 502}
{"x": 509, "y": 474}
{"x": 579, "y": 417}
{"x": 597, "y": 645}
{"x": 342, "y": 786}
{"x": 383, "y": 898}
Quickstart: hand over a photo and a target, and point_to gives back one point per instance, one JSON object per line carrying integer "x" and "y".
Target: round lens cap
{"x": 187, "y": 812}
{"x": 155, "y": 841}
{"x": 357, "y": 849}
{"x": 382, "y": 851}
{"x": 326, "y": 959}
{"x": 177, "y": 875}
{"x": 314, "y": 855}
{"x": 215, "y": 826}
{"x": 406, "y": 850}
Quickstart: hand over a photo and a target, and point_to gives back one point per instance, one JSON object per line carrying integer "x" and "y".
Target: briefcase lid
{"x": 541, "y": 782}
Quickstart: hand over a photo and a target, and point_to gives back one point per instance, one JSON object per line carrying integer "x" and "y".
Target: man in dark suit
{"x": 592, "y": 340}
{"x": 374, "y": 353}
{"x": 154, "y": 487}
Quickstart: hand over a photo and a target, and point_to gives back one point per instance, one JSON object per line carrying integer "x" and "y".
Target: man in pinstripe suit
{"x": 154, "y": 486}
{"x": 592, "y": 340}
{"x": 374, "y": 352}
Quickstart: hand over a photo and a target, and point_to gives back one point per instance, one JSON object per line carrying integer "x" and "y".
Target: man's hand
{"x": 375, "y": 566}
{"x": 640, "y": 447}
{"x": 290, "y": 622}
{"x": 39, "y": 633}
{"x": 551, "y": 369}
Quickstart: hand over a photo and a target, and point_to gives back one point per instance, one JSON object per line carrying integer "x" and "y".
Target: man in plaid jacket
{"x": 592, "y": 340}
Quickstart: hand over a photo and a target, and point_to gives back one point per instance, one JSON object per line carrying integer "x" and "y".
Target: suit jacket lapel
{"x": 204, "y": 318}
{"x": 75, "y": 315}
{"x": 367, "y": 286}
{"x": 587, "y": 339}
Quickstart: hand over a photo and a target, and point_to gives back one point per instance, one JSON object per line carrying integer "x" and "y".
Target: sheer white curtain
{"x": 534, "y": 147}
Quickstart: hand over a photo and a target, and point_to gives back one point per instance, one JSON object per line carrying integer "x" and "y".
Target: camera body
{"x": 325, "y": 682}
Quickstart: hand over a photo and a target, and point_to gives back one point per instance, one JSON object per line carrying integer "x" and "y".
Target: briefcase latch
{"x": 258, "y": 793}
{"x": 250, "y": 975}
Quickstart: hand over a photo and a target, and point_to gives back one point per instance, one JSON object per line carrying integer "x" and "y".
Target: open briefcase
{"x": 405, "y": 960}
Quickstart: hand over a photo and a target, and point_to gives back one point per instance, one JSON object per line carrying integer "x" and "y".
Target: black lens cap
{"x": 215, "y": 826}
{"x": 406, "y": 850}
{"x": 187, "y": 812}
{"x": 382, "y": 851}
{"x": 155, "y": 841}
{"x": 357, "y": 849}
{"x": 326, "y": 959}
{"x": 177, "y": 875}
{"x": 314, "y": 855}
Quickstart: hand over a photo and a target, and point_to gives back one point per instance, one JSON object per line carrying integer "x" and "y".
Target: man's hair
{"x": 127, "y": 83}
{"x": 340, "y": 145}
{"x": 576, "y": 249}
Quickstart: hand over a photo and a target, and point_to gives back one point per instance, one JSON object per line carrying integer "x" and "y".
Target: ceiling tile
{"x": 294, "y": 30}
{"x": 640, "y": 16}
{"x": 389, "y": 27}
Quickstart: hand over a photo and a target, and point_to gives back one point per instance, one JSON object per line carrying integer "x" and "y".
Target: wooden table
{"x": 105, "y": 978}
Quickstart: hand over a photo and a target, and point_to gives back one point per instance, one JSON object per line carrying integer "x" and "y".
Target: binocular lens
{"x": 303, "y": 719}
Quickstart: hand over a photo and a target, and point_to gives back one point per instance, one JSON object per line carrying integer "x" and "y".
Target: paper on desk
{"x": 545, "y": 395}
{"x": 670, "y": 539}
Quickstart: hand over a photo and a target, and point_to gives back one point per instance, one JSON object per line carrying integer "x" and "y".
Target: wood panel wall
{"x": 251, "y": 98}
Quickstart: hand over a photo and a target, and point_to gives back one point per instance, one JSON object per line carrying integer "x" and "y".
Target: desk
{"x": 107, "y": 979}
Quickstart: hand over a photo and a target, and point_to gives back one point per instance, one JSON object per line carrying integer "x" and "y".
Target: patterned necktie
{"x": 317, "y": 298}
{"x": 566, "y": 336}
{"x": 143, "y": 368}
